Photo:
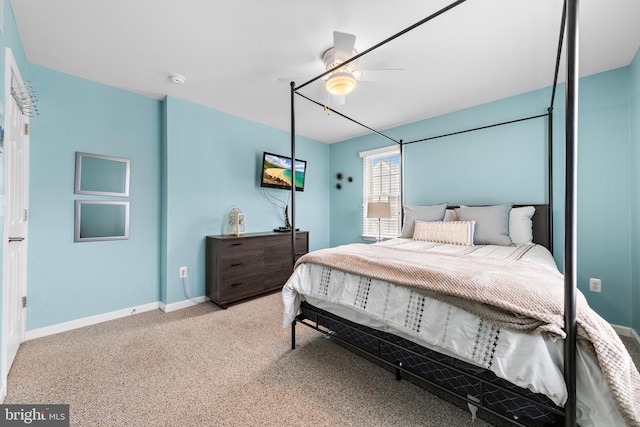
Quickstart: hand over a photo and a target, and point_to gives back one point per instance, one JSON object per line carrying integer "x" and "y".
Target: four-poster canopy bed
{"x": 462, "y": 318}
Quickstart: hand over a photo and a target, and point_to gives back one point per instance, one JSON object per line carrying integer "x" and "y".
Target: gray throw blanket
{"x": 513, "y": 294}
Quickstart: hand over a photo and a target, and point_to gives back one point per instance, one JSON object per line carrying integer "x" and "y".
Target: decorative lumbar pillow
{"x": 492, "y": 223}
{"x": 423, "y": 213}
{"x": 520, "y": 224}
{"x": 455, "y": 232}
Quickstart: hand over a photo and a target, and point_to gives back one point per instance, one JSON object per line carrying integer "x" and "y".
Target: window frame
{"x": 382, "y": 191}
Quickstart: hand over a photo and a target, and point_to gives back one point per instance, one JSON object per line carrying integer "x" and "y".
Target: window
{"x": 381, "y": 183}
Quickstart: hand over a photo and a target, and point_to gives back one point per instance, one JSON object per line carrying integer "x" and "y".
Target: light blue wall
{"x": 456, "y": 169}
{"x": 605, "y": 199}
{"x": 213, "y": 164}
{"x": 189, "y": 166}
{"x": 508, "y": 164}
{"x": 346, "y": 203}
{"x": 495, "y": 165}
{"x": 68, "y": 280}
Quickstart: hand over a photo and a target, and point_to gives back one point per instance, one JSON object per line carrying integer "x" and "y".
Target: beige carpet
{"x": 203, "y": 366}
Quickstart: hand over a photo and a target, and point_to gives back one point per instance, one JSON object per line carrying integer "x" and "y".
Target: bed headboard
{"x": 541, "y": 225}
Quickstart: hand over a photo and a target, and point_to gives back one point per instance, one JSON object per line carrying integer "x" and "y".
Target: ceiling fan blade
{"x": 343, "y": 44}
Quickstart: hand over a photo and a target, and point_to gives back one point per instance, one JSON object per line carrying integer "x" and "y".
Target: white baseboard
{"x": 167, "y": 308}
{"x": 113, "y": 315}
{"x": 87, "y": 321}
{"x": 625, "y": 331}
{"x": 635, "y": 337}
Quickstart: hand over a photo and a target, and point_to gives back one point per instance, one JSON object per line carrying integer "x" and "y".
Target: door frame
{"x": 11, "y": 68}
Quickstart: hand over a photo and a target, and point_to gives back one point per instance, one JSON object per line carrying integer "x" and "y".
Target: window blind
{"x": 381, "y": 183}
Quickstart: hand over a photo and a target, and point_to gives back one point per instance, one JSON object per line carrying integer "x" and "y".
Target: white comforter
{"x": 455, "y": 332}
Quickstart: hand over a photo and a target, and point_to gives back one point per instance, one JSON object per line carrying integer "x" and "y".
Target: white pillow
{"x": 492, "y": 223}
{"x": 520, "y": 224}
{"x": 455, "y": 232}
{"x": 424, "y": 213}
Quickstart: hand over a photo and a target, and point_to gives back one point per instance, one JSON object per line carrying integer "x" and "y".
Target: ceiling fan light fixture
{"x": 340, "y": 84}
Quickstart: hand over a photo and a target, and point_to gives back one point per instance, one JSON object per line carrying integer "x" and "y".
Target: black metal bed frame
{"x": 463, "y": 383}
{"x": 570, "y": 25}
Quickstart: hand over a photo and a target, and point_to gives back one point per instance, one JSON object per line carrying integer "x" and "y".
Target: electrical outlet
{"x": 595, "y": 285}
{"x": 183, "y": 272}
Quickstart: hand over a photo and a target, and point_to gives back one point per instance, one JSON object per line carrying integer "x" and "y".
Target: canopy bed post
{"x": 550, "y": 175}
{"x": 571, "y": 180}
{"x": 401, "y": 183}
{"x": 563, "y": 22}
{"x": 293, "y": 175}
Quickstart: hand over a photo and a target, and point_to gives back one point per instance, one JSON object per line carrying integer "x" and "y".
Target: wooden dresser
{"x": 241, "y": 267}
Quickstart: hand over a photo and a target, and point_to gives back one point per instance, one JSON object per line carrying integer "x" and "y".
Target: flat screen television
{"x": 276, "y": 172}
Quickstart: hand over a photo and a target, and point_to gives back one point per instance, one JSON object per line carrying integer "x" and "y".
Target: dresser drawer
{"x": 241, "y": 262}
{"x": 277, "y": 246}
{"x": 240, "y": 271}
{"x": 240, "y": 288}
{"x": 241, "y": 248}
{"x": 276, "y": 279}
{"x": 302, "y": 244}
{"x": 281, "y": 245}
{"x": 275, "y": 264}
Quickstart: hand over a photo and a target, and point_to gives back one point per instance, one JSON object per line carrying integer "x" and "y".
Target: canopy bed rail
{"x": 349, "y": 118}
{"x": 476, "y": 129}
{"x": 569, "y": 22}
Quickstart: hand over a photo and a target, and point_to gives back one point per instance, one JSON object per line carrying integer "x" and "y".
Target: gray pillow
{"x": 424, "y": 213}
{"x": 492, "y": 223}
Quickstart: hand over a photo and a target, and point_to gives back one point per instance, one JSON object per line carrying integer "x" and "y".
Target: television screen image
{"x": 276, "y": 172}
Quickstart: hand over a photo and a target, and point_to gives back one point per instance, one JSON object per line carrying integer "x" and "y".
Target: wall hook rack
{"x": 25, "y": 97}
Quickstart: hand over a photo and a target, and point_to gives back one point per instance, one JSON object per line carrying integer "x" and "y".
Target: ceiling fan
{"x": 343, "y": 80}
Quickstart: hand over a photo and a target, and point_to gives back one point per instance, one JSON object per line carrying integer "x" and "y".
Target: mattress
{"x": 530, "y": 361}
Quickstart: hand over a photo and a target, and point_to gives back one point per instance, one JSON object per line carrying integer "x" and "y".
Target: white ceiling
{"x": 235, "y": 55}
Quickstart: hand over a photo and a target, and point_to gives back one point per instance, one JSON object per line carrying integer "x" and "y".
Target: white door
{"x": 16, "y": 203}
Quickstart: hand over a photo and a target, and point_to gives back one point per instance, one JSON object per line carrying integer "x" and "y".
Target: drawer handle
{"x": 236, "y": 244}
{"x": 233, "y": 285}
{"x": 236, "y": 264}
